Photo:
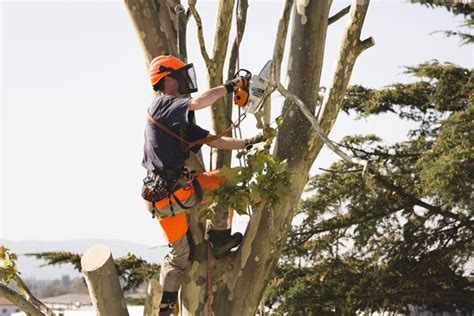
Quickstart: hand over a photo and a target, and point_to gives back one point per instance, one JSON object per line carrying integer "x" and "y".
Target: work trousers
{"x": 175, "y": 262}
{"x": 180, "y": 242}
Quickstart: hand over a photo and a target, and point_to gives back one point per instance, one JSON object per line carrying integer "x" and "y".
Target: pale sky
{"x": 74, "y": 90}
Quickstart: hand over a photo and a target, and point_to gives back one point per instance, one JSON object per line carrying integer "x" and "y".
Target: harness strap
{"x": 201, "y": 141}
{"x": 197, "y": 190}
{"x": 166, "y": 129}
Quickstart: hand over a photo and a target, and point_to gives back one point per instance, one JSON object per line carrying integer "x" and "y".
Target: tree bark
{"x": 221, "y": 111}
{"x": 26, "y": 293}
{"x": 156, "y": 23}
{"x": 20, "y": 301}
{"x": 102, "y": 281}
{"x": 153, "y": 298}
{"x": 266, "y": 233}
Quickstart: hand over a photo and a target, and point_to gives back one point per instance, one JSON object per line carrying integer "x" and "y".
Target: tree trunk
{"x": 102, "y": 281}
{"x": 238, "y": 281}
{"x": 157, "y": 24}
{"x": 266, "y": 234}
{"x": 153, "y": 298}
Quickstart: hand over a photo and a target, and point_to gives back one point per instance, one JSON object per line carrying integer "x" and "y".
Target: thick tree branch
{"x": 280, "y": 41}
{"x": 339, "y": 15}
{"x": 25, "y": 300}
{"x": 314, "y": 123}
{"x": 31, "y": 298}
{"x": 350, "y": 49}
{"x": 221, "y": 36}
{"x": 365, "y": 44}
{"x": 152, "y": 38}
{"x": 333, "y": 98}
{"x": 167, "y": 13}
{"x": 241, "y": 22}
{"x": 387, "y": 183}
{"x": 221, "y": 111}
{"x": 20, "y": 301}
{"x": 202, "y": 44}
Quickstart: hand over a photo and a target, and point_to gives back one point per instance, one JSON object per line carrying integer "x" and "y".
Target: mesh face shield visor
{"x": 186, "y": 77}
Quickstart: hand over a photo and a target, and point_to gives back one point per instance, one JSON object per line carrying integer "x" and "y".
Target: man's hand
{"x": 255, "y": 140}
{"x": 236, "y": 83}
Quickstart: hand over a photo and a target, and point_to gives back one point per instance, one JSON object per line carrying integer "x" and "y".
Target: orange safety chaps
{"x": 176, "y": 226}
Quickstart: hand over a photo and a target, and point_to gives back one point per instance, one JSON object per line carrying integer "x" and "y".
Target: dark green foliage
{"x": 132, "y": 270}
{"x": 59, "y": 257}
{"x": 439, "y": 87}
{"x": 457, "y": 7}
{"x": 448, "y": 168}
{"x": 409, "y": 243}
{"x": 465, "y": 8}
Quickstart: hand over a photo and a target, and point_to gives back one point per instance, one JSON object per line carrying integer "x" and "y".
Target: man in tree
{"x": 169, "y": 188}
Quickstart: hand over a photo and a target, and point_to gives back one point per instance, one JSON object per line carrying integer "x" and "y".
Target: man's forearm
{"x": 228, "y": 143}
{"x": 207, "y": 98}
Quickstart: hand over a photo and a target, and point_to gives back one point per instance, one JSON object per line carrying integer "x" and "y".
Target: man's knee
{"x": 172, "y": 269}
{"x": 179, "y": 253}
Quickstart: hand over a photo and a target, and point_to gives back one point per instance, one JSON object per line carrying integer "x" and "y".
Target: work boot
{"x": 166, "y": 311}
{"x": 222, "y": 242}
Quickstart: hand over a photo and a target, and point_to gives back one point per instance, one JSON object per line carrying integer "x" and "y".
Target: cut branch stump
{"x": 102, "y": 281}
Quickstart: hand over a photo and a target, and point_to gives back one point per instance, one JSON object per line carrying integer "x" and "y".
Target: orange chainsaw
{"x": 252, "y": 90}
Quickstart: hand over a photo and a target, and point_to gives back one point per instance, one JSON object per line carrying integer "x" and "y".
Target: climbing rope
{"x": 209, "y": 280}
{"x": 178, "y": 9}
{"x": 236, "y": 128}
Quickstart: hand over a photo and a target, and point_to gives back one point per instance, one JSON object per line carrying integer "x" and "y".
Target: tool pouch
{"x": 155, "y": 188}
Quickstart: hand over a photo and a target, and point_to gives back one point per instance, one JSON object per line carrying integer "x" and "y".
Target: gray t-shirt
{"x": 163, "y": 151}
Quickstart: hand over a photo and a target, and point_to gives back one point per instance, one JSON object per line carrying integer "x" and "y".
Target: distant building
{"x": 7, "y": 308}
{"x": 70, "y": 305}
{"x": 68, "y": 302}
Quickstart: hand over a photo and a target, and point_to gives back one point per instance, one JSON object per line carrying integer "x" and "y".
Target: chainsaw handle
{"x": 243, "y": 73}
{"x": 241, "y": 93}
{"x": 241, "y": 83}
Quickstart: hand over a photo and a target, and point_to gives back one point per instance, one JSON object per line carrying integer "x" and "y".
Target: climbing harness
{"x": 160, "y": 186}
{"x": 163, "y": 185}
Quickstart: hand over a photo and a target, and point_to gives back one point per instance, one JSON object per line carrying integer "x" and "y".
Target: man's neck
{"x": 175, "y": 94}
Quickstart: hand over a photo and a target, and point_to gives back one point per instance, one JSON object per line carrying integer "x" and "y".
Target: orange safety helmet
{"x": 166, "y": 65}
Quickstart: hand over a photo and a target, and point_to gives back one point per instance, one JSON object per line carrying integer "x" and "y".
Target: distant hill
{"x": 31, "y": 267}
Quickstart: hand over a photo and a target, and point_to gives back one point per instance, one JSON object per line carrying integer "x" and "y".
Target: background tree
{"x": 132, "y": 270}
{"x": 409, "y": 243}
{"x": 457, "y": 7}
